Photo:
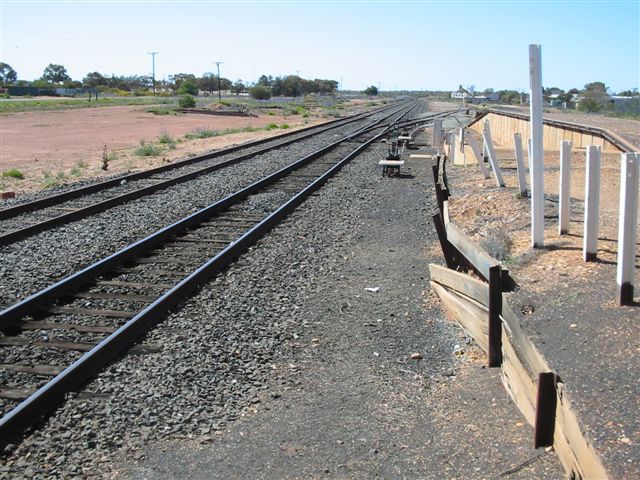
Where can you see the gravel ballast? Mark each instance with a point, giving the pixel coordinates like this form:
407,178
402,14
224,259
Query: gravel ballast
288,327
28,265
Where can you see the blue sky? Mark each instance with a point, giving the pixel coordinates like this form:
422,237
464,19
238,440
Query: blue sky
406,45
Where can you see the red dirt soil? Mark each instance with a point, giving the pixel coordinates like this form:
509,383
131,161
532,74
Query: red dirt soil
55,141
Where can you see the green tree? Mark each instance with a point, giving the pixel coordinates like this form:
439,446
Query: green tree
8,75
594,97
188,87
260,92
55,73
372,90
93,79
238,87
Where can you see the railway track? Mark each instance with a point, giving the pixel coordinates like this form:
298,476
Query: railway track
23,220
59,337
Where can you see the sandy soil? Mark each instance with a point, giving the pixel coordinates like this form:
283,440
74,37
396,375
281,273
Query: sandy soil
61,141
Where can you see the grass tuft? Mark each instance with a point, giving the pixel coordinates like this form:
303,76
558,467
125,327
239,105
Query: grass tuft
13,173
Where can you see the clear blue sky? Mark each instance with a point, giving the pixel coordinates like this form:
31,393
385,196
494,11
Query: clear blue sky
409,45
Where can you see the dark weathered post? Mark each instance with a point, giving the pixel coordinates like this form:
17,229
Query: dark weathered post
545,410
495,310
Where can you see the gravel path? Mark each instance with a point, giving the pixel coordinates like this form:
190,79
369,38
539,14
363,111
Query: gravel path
285,366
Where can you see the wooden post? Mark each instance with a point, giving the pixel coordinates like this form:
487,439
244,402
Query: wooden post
522,177
437,132
478,154
627,227
495,310
537,152
493,158
546,402
452,146
447,248
565,187
592,204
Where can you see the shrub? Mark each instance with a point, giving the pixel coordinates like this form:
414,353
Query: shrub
260,92
271,126
13,173
498,244
187,101
166,139
147,150
284,126
201,133
188,88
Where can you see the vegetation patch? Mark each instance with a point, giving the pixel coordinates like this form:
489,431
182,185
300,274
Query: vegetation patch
147,150
13,173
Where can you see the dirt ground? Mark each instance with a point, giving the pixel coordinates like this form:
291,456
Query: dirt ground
73,141
566,303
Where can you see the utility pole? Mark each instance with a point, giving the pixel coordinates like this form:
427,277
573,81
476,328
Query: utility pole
219,92
153,70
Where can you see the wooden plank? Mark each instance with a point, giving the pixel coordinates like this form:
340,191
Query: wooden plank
445,212
574,449
74,346
43,370
170,261
33,325
120,283
530,357
461,283
480,259
471,316
117,296
18,394
92,312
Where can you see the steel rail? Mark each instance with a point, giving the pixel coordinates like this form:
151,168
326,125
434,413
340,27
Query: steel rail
47,397
92,209
52,200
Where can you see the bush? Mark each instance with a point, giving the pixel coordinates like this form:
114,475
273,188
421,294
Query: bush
271,126
284,126
13,173
187,101
201,133
188,88
260,92
147,150
166,139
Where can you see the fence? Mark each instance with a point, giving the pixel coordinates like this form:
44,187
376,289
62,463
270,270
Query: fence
481,307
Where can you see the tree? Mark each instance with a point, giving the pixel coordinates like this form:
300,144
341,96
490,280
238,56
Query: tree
594,97
372,90
260,92
7,74
55,73
188,87
238,87
93,79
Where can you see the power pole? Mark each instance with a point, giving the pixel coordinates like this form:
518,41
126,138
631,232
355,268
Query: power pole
153,70
219,92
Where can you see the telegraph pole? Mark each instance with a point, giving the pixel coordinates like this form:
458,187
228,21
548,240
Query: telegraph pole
219,92
153,69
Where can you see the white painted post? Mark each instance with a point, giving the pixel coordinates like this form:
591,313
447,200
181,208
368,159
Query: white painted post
627,227
437,133
452,147
565,187
493,158
522,178
478,154
592,204
461,147
529,153
536,168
